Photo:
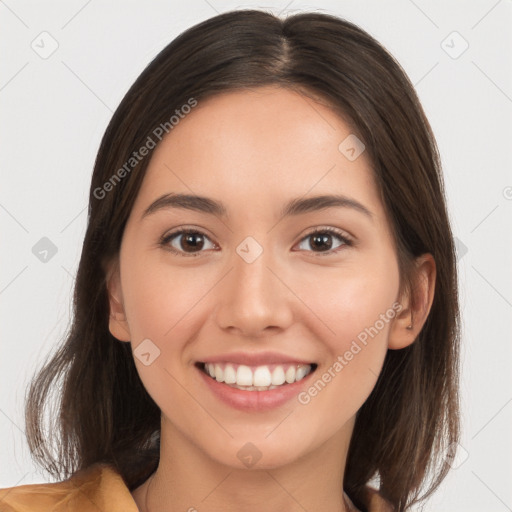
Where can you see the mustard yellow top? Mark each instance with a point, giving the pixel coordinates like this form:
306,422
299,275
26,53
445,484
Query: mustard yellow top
97,488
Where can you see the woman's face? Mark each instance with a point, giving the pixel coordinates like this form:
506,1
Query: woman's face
251,283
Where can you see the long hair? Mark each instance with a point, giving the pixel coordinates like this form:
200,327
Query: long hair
103,412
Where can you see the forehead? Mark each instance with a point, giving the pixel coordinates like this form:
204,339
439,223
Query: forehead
256,146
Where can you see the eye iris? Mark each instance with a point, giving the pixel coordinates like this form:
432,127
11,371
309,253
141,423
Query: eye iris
321,241
191,239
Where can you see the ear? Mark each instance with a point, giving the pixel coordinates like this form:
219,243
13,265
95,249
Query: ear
118,325
416,304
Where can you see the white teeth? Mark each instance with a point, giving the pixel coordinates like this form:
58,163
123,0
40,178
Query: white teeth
301,372
262,376
258,378
278,376
219,373
229,375
244,376
290,375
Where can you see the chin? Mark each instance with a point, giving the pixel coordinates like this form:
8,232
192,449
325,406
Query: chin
258,453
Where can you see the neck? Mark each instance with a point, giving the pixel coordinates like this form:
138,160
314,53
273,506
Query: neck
187,479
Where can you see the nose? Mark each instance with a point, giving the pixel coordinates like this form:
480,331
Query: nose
253,298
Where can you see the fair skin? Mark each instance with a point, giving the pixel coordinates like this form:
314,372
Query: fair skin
254,151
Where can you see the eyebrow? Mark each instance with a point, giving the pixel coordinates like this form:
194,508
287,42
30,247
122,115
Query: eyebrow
294,207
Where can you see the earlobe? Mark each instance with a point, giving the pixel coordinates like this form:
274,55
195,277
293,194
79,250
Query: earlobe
416,305
118,325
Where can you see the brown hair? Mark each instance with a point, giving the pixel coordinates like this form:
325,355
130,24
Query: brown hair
104,412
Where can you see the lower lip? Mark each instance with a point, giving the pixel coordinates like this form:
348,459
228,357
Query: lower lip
254,400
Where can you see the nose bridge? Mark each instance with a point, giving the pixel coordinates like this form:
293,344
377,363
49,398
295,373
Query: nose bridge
253,298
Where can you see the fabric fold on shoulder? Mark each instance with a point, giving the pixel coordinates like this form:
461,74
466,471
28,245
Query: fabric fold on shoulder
97,488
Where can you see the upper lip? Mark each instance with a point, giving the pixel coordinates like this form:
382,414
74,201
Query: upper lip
255,358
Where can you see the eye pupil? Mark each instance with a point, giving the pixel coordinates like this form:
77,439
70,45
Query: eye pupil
322,241
191,240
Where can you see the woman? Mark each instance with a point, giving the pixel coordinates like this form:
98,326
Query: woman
265,310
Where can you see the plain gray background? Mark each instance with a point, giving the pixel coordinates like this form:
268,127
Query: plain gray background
56,106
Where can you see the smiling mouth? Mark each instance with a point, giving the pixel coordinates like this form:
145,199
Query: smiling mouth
256,378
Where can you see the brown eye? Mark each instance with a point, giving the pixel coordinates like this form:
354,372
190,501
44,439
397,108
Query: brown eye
186,242
321,240
192,241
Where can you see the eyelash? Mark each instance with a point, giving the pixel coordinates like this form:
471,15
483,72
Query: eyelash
332,231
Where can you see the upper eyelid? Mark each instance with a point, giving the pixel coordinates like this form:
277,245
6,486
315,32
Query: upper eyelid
331,229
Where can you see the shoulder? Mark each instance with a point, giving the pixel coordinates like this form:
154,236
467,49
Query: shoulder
98,487
375,502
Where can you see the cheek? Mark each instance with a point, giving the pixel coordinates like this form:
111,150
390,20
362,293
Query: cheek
358,310
163,305
160,300
353,306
